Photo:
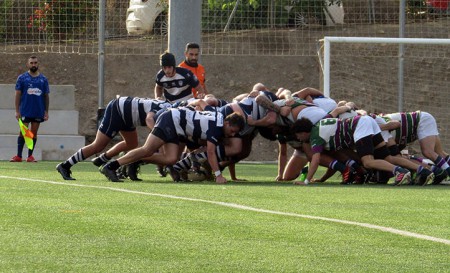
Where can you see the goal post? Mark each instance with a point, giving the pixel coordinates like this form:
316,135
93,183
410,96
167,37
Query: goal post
327,43
387,75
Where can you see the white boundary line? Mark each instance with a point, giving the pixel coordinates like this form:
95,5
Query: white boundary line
242,207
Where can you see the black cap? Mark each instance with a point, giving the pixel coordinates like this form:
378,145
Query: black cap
167,59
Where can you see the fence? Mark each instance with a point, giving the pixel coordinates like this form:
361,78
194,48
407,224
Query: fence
276,28
257,27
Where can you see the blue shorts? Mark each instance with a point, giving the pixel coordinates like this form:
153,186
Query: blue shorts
165,129
113,122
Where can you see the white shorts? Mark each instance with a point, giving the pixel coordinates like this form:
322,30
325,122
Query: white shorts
427,126
366,126
326,104
313,113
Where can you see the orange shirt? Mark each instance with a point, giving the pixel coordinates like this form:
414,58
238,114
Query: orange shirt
198,71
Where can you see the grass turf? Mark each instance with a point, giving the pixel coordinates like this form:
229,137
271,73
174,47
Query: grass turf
52,225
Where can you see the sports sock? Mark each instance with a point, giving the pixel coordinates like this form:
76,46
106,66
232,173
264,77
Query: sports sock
441,163
30,152
20,144
336,165
74,159
183,164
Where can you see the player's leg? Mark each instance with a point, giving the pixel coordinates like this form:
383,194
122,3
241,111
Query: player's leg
34,128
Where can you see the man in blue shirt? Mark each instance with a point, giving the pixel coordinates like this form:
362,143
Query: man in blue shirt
31,101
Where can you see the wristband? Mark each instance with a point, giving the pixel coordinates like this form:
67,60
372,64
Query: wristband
217,173
306,181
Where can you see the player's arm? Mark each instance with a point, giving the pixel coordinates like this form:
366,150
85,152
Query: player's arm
200,91
282,160
159,91
313,166
269,119
267,103
308,91
340,110
212,160
17,103
200,103
47,103
391,125
150,120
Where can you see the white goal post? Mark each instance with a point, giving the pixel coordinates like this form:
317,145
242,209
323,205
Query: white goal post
327,53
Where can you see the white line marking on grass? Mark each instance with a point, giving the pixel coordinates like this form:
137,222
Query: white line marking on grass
242,207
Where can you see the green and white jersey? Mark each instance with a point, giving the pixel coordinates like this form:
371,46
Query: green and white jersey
333,134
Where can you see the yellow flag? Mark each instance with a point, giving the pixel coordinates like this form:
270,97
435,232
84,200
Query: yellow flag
27,135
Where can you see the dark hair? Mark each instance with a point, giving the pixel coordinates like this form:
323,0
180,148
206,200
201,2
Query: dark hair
167,59
191,45
236,119
302,125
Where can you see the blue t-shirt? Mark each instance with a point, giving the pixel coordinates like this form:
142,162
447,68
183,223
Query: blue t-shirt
32,101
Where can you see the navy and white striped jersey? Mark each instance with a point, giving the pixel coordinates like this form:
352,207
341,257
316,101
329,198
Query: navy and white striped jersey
134,110
251,108
178,87
198,125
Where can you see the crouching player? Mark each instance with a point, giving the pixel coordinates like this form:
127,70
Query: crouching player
335,134
176,124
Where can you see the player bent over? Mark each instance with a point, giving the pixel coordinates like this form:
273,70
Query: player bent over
176,124
335,134
122,116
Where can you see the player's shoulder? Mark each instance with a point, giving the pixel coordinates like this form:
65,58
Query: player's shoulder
182,70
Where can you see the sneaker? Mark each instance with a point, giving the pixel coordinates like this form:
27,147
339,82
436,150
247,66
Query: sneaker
174,174
424,178
97,161
402,177
133,170
15,159
161,171
65,173
31,159
348,176
439,176
110,174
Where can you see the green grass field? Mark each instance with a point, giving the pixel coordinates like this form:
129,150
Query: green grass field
92,225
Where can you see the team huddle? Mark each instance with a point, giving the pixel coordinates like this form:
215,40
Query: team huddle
195,135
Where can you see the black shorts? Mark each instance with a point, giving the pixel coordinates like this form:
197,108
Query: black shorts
364,146
28,120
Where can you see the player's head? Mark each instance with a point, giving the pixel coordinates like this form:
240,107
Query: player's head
167,61
302,129
233,124
33,64
192,53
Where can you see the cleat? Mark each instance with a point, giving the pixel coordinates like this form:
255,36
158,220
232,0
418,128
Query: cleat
132,170
97,161
122,172
174,174
402,177
161,171
15,159
362,176
439,176
65,173
348,176
424,178
110,174
31,159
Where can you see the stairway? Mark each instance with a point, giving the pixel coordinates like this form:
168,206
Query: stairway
57,138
